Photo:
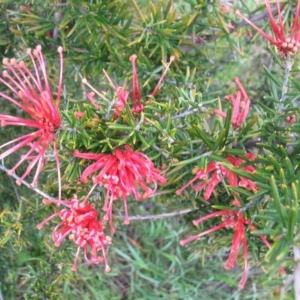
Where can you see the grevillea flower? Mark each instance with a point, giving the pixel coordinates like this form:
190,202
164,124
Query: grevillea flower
123,173
236,221
123,94
33,95
241,105
216,172
285,43
80,222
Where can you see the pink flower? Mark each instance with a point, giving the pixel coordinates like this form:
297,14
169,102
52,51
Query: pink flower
123,94
241,105
33,95
285,43
216,172
123,173
235,220
79,222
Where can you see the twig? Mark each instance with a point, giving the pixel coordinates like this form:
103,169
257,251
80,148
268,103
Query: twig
286,283
187,113
1,296
57,19
250,204
161,216
15,190
163,153
296,250
288,68
201,40
37,190
133,218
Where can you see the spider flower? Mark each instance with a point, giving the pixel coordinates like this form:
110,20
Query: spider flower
32,94
286,43
123,173
241,105
231,220
216,173
123,94
80,222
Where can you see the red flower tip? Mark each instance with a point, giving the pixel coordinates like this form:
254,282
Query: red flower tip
78,114
195,223
75,153
123,94
215,173
133,58
182,242
241,105
25,8
231,220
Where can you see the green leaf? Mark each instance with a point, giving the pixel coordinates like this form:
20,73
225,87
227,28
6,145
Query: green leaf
277,202
272,77
193,159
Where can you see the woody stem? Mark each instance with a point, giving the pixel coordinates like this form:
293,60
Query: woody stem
296,250
288,68
38,191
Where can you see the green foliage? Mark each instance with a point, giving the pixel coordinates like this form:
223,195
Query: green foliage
179,130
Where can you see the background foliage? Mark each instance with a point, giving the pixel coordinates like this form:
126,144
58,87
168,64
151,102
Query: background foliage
211,46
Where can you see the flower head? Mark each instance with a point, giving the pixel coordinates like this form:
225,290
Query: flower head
123,94
33,95
241,105
285,43
123,173
216,173
231,220
79,222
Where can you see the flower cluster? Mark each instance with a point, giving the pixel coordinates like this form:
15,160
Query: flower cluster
236,221
33,95
216,173
80,222
285,43
123,94
123,173
241,105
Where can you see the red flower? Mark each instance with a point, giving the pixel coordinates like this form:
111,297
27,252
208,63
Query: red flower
235,220
122,174
219,173
33,95
122,94
285,43
241,105
79,222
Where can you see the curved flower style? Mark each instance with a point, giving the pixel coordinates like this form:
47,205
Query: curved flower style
79,221
122,94
285,43
236,221
220,173
33,95
241,105
122,174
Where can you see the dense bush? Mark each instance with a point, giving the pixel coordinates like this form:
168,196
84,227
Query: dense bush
127,123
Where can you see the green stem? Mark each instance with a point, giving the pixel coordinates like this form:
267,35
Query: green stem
161,216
